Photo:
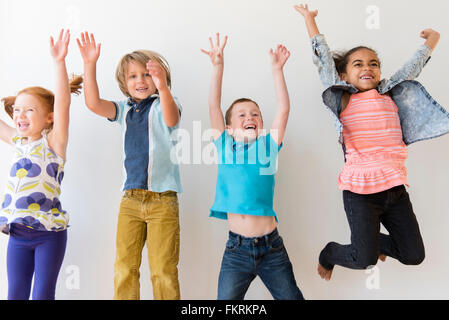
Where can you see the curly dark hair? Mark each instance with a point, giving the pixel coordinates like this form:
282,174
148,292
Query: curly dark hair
341,59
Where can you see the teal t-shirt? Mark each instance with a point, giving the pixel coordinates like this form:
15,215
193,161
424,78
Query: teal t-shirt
245,181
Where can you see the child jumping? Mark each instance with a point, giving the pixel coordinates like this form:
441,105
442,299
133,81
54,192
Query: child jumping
31,211
376,120
245,185
149,209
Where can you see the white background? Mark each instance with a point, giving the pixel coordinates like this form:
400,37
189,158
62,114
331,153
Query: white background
307,200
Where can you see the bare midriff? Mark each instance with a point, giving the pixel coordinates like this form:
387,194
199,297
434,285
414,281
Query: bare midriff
251,226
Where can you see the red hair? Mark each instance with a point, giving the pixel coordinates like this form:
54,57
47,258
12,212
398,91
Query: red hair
46,97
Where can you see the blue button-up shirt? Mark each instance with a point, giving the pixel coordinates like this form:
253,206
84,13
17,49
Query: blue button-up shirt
147,146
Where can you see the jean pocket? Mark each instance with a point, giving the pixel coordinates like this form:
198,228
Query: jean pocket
232,245
170,204
128,201
277,244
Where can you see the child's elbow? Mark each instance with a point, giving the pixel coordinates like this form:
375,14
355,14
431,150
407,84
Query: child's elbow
171,122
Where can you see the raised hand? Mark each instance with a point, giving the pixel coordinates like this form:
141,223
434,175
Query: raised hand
431,36
309,19
305,12
157,74
59,49
90,51
279,56
216,50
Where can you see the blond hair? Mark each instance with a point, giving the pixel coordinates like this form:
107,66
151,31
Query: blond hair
142,57
45,96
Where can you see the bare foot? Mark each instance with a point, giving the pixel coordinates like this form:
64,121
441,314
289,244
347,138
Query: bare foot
382,257
324,273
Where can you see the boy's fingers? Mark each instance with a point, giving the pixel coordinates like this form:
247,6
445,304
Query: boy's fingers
211,43
225,40
92,38
83,38
86,36
218,39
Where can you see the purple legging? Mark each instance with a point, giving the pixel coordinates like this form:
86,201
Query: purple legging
38,252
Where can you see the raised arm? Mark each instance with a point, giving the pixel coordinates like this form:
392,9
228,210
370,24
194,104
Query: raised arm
170,111
217,59
278,59
322,55
413,67
309,19
432,38
58,137
90,53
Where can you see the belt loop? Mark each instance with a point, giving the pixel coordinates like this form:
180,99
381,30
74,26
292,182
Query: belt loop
239,238
267,241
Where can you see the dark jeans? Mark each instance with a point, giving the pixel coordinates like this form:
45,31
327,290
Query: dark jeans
365,213
246,258
34,252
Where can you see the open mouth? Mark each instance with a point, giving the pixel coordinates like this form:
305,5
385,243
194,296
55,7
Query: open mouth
141,90
23,126
365,77
250,127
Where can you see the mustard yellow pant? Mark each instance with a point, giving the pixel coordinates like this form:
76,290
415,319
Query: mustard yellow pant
153,218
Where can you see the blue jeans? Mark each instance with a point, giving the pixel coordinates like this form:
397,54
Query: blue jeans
266,257
34,252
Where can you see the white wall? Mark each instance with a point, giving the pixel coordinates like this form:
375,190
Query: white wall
307,200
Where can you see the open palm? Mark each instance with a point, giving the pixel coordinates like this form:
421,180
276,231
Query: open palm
216,50
279,56
305,12
59,49
90,51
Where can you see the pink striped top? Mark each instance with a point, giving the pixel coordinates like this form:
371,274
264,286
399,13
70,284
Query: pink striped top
375,151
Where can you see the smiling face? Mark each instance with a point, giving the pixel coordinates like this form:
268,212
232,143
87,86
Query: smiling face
139,83
362,70
31,116
245,121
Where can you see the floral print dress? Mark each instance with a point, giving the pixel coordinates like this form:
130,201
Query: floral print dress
33,188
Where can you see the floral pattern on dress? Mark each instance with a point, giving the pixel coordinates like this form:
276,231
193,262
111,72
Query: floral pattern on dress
33,189
34,202
25,168
7,199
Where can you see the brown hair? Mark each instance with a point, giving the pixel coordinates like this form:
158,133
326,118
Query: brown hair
142,57
341,59
229,111
45,96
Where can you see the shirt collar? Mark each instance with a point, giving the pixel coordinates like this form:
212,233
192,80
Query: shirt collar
142,103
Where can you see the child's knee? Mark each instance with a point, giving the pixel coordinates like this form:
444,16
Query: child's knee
413,259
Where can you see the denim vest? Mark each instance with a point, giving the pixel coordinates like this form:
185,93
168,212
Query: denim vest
421,116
